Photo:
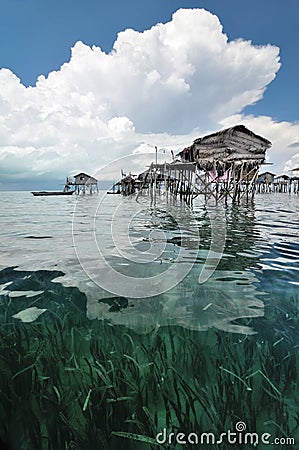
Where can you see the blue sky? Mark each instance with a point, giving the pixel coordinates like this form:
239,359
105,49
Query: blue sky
37,37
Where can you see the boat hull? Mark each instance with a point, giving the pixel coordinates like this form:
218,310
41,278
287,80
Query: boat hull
47,193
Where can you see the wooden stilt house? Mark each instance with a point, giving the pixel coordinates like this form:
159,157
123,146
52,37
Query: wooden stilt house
222,165
85,183
228,161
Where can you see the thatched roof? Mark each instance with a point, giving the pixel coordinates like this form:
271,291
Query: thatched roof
233,143
228,132
83,178
267,173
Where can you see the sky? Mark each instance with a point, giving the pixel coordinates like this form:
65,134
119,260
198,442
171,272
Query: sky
83,83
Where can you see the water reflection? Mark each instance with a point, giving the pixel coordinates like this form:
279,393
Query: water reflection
260,261
229,296
198,308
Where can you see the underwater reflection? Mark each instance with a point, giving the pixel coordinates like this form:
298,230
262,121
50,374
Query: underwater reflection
225,302
196,308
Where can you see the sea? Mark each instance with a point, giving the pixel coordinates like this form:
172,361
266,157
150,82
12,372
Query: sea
144,323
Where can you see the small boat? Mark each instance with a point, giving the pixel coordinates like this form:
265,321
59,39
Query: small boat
66,191
44,193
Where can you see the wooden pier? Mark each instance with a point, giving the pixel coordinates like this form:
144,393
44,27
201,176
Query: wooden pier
268,183
222,166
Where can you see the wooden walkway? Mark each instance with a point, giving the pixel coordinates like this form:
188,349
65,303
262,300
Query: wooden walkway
221,167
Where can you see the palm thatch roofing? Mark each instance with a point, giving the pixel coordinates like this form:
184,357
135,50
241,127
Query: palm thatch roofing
84,179
234,143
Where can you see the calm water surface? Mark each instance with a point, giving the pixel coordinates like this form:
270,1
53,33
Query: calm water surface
251,298
259,265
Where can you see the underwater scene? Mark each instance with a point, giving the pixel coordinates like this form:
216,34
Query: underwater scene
134,326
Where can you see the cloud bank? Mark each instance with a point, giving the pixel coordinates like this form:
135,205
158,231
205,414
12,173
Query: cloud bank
164,86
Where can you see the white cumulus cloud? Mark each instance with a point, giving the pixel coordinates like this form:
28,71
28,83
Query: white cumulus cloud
164,86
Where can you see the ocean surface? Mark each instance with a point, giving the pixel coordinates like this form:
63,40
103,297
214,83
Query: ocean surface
120,270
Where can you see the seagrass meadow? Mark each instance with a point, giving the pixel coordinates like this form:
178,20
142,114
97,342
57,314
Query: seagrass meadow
226,352
68,383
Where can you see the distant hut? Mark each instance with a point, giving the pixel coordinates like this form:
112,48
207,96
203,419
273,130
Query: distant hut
282,183
265,182
295,180
266,177
84,182
281,178
295,173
